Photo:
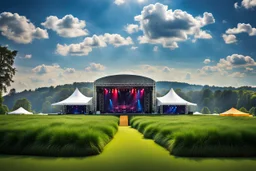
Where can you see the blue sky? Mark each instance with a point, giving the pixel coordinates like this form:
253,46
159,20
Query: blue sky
199,42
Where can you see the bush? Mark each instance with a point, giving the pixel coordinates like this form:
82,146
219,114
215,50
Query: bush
56,135
243,109
3,109
205,110
253,111
201,136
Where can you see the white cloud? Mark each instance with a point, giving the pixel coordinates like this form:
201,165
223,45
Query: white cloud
95,67
51,80
155,49
85,47
237,75
131,28
134,47
28,56
242,28
68,26
207,61
229,39
236,5
167,69
167,27
224,21
20,29
43,69
249,69
121,2
246,4
35,80
69,71
236,60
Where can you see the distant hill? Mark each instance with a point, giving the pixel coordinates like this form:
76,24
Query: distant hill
52,94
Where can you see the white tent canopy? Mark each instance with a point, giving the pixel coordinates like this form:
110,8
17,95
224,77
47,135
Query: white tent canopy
197,113
171,98
77,98
21,110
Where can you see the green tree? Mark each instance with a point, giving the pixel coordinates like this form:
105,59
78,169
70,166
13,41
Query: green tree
205,110
243,109
22,103
46,107
3,109
6,67
253,111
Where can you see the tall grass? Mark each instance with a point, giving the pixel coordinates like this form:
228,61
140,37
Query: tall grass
56,135
201,136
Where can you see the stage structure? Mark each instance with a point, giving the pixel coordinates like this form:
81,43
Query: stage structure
172,103
124,94
77,103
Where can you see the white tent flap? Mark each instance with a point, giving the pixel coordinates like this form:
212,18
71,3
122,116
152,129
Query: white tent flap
20,111
77,98
171,98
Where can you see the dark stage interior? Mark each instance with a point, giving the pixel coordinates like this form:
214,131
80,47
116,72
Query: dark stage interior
125,100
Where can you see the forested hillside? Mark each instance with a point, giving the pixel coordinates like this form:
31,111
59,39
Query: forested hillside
217,99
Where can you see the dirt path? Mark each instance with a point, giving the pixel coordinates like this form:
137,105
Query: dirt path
128,151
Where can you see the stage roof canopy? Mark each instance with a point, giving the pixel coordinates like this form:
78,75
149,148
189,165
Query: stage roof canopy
124,79
20,110
234,112
77,98
171,98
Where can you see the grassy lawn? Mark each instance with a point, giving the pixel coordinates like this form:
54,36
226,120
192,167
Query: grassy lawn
56,135
201,136
128,151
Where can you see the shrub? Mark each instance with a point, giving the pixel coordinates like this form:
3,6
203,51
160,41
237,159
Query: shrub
56,135
243,109
253,111
205,110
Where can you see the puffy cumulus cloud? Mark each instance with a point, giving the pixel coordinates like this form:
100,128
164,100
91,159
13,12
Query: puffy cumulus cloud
237,75
246,4
229,39
156,69
167,69
95,67
207,61
248,69
85,47
131,28
121,2
161,25
69,71
68,26
134,47
208,70
188,76
155,49
20,29
43,69
242,28
28,56
236,60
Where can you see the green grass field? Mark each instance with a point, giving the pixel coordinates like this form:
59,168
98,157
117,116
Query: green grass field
128,151
56,135
201,136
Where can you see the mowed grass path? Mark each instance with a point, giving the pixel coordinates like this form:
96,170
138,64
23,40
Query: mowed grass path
128,151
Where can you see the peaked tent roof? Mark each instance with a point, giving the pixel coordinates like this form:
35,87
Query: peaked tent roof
234,112
21,110
77,98
197,113
171,98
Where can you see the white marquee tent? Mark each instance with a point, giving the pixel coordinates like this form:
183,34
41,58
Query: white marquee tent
20,111
77,98
171,98
197,113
